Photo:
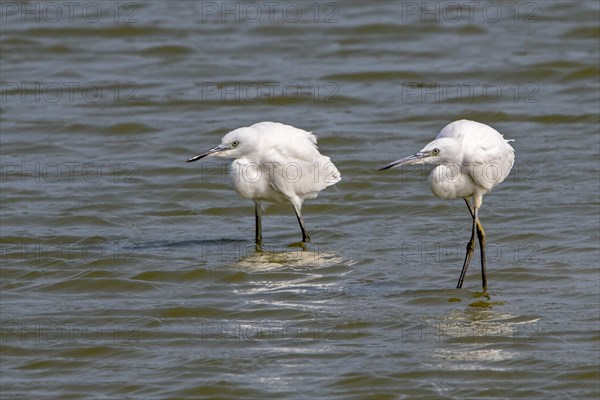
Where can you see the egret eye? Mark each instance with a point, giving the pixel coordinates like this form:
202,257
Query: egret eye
235,143
435,152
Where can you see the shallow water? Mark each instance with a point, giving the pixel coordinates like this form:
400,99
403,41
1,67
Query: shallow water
127,273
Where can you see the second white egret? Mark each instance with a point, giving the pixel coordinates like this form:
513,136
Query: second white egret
275,163
471,158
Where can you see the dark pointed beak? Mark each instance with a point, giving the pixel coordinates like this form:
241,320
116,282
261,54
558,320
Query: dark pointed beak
214,150
410,160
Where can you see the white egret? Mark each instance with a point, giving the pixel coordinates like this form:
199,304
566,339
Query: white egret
471,158
275,163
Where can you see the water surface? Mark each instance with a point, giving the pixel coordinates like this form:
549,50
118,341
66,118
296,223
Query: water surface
127,273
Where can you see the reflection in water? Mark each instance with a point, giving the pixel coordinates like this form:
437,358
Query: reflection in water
466,353
282,278
482,335
291,258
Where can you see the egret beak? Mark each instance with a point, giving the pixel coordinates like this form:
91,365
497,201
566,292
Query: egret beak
410,160
214,150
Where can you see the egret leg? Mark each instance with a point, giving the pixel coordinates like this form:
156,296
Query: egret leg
305,237
470,209
258,214
470,248
481,237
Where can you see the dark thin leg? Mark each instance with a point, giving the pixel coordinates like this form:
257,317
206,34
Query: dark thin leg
469,207
305,237
468,256
257,214
481,237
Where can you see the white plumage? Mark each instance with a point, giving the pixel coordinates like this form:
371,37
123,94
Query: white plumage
474,159
274,163
471,158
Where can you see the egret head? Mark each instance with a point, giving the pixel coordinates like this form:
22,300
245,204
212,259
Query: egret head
440,151
233,145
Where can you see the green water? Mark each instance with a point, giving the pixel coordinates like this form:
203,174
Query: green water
127,273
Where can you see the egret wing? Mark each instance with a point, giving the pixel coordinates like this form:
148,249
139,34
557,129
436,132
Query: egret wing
488,158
